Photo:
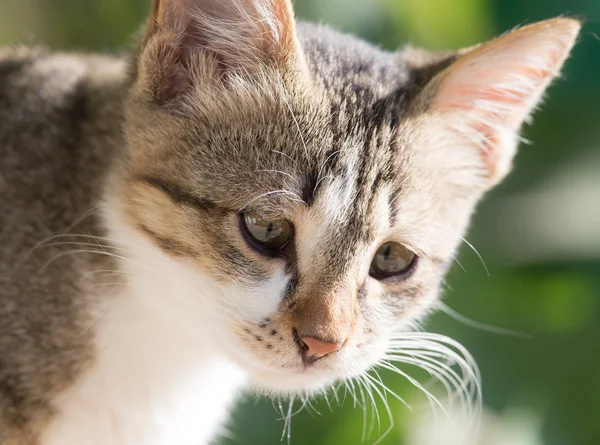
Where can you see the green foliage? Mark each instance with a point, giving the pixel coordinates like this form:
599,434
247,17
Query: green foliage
554,376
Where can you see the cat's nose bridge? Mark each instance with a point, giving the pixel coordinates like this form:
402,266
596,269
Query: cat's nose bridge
329,316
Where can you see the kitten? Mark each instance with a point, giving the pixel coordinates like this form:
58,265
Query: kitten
244,201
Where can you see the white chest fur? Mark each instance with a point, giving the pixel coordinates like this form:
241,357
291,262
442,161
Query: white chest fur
151,384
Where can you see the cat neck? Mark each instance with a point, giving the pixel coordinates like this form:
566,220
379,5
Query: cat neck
155,379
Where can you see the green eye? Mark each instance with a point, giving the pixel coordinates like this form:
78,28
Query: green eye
392,259
267,234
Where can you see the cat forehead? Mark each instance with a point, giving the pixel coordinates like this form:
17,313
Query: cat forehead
278,170
286,142
352,68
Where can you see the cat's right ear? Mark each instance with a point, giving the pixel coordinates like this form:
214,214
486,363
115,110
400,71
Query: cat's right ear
187,42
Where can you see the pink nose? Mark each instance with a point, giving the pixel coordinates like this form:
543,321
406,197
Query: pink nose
316,349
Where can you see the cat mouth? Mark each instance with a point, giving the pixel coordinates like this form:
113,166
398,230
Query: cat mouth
291,376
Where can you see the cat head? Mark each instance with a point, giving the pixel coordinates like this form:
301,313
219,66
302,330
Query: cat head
310,190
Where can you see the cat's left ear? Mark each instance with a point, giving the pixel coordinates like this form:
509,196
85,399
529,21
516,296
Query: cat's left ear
485,94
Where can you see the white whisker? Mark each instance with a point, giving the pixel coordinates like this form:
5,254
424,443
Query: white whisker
487,271
426,350
283,154
481,326
364,407
327,400
375,410
281,173
387,408
315,410
292,195
459,264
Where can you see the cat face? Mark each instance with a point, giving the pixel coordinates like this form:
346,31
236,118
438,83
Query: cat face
314,188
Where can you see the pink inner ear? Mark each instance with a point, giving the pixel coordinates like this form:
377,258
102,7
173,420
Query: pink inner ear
495,90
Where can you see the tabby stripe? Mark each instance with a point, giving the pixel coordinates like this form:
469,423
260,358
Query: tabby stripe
167,244
178,195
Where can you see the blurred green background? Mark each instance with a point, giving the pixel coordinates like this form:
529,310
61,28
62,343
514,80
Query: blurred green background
539,233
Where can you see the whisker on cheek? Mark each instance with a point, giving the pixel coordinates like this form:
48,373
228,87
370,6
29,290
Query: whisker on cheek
448,362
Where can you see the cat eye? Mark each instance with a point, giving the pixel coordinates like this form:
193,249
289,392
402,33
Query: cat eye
392,259
268,235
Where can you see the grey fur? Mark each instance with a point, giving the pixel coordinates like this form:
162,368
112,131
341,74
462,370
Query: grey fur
59,132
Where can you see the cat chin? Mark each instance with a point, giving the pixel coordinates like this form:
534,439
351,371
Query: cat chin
291,384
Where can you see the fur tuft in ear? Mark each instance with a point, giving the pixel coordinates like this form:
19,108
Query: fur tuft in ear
487,94
188,38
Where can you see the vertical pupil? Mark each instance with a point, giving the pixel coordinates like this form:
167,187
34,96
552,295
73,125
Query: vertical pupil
386,251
